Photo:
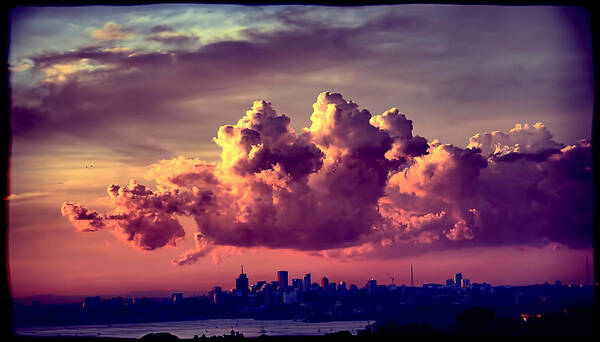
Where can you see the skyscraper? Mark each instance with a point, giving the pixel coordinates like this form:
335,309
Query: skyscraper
241,283
177,297
324,283
282,279
372,286
306,282
458,280
297,283
216,295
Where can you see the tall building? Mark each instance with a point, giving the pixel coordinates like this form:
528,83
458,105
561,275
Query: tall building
216,296
282,279
306,282
91,302
290,297
241,283
372,286
297,283
177,297
324,283
458,280
258,286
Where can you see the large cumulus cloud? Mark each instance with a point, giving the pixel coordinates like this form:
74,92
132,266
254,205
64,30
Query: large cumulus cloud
355,184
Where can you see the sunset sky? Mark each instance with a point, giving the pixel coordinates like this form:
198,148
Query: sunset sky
160,147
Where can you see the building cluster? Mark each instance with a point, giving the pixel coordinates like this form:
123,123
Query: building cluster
302,298
284,292
281,291
458,281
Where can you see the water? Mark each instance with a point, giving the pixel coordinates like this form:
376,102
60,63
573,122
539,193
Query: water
209,327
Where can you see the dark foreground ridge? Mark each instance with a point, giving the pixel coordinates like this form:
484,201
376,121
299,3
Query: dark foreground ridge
473,322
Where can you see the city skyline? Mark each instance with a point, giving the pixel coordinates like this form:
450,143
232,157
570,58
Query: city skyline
434,304
162,146
244,284
251,281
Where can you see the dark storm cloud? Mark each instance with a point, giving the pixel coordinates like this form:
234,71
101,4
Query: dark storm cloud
481,54
549,200
138,86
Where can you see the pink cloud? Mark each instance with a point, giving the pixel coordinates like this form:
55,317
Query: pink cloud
353,185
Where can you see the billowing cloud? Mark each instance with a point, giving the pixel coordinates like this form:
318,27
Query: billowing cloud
85,220
454,197
145,218
400,130
354,184
522,139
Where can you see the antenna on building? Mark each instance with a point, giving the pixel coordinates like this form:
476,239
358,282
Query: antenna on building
389,275
412,278
587,271
242,269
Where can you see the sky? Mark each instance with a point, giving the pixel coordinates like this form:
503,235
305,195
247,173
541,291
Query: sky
160,147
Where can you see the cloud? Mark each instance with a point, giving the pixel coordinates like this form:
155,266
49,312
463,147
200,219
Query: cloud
85,220
454,198
21,66
268,179
56,73
307,49
25,196
142,217
113,31
404,146
176,39
71,103
522,140
166,34
161,28
353,184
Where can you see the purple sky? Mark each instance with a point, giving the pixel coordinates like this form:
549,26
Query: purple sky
338,141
